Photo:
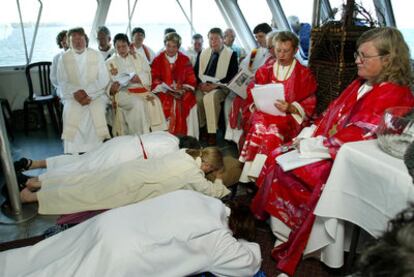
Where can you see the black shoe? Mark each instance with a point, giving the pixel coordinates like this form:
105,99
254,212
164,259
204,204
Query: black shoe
22,164
21,180
5,194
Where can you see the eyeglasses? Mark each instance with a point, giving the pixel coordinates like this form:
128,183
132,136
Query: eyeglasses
363,57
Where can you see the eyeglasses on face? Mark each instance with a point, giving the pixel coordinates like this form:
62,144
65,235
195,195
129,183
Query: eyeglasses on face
363,57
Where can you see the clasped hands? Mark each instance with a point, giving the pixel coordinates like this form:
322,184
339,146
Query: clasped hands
82,97
207,87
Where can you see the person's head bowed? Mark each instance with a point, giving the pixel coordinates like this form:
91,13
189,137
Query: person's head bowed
393,254
285,46
383,56
211,158
241,221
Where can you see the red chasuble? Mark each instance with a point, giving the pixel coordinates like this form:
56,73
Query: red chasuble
292,196
264,132
181,72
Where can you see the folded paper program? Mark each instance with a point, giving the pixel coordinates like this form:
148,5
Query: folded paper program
293,159
124,78
265,97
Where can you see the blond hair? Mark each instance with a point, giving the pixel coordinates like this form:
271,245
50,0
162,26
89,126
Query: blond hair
174,37
209,155
390,43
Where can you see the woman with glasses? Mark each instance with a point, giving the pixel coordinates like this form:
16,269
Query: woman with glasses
264,132
385,76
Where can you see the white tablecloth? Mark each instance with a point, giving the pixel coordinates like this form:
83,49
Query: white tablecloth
366,187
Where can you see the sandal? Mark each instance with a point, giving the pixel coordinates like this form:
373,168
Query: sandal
23,164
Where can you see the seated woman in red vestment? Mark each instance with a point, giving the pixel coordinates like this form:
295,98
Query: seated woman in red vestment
384,71
174,81
266,131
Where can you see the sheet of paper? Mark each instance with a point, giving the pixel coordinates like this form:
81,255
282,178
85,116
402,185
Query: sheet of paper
293,159
265,97
124,78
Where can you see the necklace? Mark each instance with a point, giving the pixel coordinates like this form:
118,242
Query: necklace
287,72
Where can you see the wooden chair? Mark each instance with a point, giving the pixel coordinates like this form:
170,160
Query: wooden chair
43,96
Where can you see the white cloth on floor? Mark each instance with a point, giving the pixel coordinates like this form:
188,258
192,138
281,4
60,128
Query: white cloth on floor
178,234
124,184
111,153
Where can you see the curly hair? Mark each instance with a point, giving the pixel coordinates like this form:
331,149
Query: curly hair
393,254
62,35
391,45
284,36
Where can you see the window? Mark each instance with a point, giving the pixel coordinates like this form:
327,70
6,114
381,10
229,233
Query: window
250,12
403,17
56,16
156,15
368,6
301,9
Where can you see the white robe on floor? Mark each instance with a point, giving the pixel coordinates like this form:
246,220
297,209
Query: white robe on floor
127,183
178,234
113,152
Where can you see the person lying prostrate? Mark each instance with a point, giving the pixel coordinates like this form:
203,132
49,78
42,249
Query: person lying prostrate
113,152
178,234
129,182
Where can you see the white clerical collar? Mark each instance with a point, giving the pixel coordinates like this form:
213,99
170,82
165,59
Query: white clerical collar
126,57
364,89
171,59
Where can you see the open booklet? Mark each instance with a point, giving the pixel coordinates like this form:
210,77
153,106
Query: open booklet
265,96
124,78
293,159
238,84
164,87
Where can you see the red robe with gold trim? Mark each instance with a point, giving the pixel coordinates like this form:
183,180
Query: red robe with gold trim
266,132
292,196
181,72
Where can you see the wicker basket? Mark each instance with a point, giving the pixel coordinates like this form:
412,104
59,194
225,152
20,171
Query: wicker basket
332,59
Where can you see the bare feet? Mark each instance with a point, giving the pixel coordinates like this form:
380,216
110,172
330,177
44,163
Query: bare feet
33,184
26,196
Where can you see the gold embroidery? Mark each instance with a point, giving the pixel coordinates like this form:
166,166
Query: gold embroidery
333,130
113,70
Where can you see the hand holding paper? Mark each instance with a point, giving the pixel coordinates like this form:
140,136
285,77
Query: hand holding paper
265,96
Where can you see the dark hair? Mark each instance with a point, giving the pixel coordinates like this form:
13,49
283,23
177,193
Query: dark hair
393,254
121,37
169,30
138,30
197,36
241,221
262,27
215,30
77,30
62,34
188,142
409,158
103,29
